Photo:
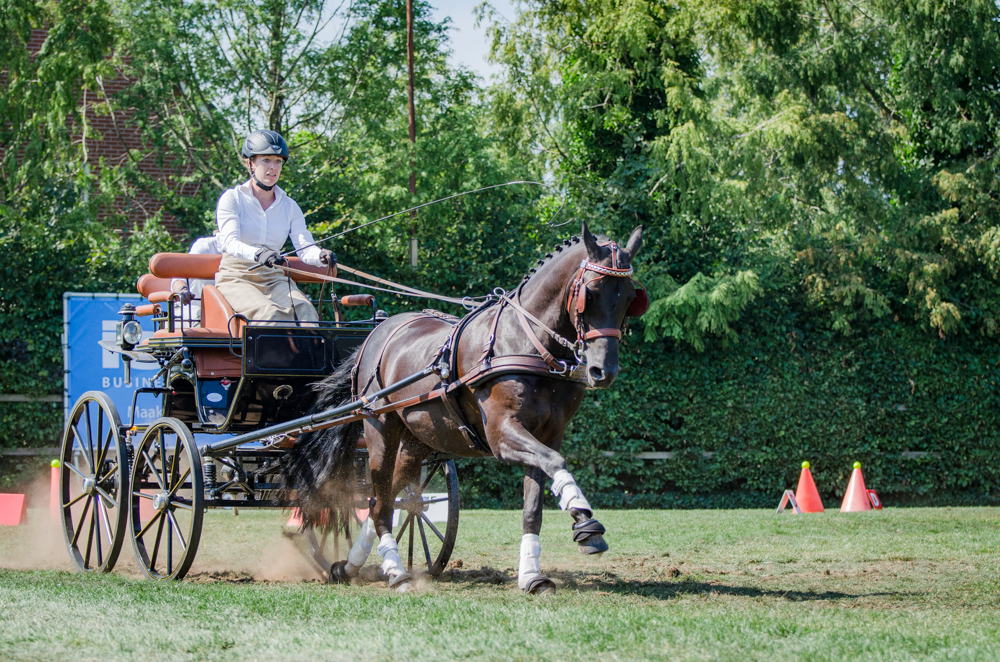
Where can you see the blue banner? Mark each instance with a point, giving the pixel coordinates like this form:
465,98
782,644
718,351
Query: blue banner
88,319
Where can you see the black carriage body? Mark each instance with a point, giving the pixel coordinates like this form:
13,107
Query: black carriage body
262,380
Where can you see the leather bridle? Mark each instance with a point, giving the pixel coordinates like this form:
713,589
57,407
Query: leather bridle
576,305
577,301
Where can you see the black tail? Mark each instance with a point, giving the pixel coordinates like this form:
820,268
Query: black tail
319,466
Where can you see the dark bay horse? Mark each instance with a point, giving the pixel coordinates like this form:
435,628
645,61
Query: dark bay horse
512,375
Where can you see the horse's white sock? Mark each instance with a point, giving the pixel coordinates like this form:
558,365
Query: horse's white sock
570,496
361,549
531,551
392,565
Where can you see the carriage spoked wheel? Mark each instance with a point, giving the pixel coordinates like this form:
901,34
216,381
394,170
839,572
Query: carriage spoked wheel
93,483
425,531
167,500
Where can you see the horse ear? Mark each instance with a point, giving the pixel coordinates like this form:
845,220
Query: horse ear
634,243
590,241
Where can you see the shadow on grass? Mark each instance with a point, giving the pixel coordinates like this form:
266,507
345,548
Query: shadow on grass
610,582
686,586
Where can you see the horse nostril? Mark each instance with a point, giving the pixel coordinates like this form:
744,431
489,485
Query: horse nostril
596,373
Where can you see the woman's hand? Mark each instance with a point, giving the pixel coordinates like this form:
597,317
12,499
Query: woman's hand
268,257
328,257
185,295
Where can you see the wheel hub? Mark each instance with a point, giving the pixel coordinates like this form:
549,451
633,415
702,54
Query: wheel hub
160,501
88,485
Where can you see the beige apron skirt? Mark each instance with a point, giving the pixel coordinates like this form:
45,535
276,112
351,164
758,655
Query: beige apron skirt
263,294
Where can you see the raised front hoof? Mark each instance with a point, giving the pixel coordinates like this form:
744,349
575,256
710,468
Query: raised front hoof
589,536
401,583
539,585
338,573
593,545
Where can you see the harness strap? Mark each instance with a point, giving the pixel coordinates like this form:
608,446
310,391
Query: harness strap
401,290
602,333
492,338
501,365
547,357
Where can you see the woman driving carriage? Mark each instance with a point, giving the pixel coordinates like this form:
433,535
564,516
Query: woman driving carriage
254,219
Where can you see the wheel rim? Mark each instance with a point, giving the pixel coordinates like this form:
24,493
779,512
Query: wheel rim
426,545
167,500
93,484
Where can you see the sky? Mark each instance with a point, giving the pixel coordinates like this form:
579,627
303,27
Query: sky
469,44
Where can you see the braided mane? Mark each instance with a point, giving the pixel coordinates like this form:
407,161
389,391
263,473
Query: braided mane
550,256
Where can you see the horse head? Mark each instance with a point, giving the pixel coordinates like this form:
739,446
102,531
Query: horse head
600,299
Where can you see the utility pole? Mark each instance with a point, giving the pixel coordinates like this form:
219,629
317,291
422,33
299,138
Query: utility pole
413,135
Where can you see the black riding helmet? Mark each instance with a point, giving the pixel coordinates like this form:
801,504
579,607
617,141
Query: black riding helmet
261,143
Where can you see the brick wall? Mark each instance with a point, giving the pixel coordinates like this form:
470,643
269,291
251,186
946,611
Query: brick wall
111,137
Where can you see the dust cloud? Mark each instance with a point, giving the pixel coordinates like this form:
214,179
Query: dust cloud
38,544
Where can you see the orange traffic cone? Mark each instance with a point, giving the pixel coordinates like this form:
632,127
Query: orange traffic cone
856,497
807,495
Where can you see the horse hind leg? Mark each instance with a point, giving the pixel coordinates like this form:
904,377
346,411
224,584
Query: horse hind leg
344,571
397,470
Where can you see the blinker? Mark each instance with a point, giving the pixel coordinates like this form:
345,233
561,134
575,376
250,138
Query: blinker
639,305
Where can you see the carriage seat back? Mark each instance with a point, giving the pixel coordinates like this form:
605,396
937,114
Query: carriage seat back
215,310
185,265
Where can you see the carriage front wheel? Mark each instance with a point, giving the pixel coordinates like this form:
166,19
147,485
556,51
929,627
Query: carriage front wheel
93,483
167,500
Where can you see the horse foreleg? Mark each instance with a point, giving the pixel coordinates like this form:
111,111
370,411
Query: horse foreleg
529,574
513,443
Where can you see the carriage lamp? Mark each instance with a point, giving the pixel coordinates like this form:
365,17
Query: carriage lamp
128,331
128,334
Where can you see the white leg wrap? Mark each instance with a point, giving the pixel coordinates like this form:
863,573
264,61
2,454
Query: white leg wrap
361,549
570,496
392,565
531,551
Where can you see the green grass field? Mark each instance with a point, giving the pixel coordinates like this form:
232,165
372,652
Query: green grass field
901,584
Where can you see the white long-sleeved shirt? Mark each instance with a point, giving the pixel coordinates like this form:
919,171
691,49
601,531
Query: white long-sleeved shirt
245,227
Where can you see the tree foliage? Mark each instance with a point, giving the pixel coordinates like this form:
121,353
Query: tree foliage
841,151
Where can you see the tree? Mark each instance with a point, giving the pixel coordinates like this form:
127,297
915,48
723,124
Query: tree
838,154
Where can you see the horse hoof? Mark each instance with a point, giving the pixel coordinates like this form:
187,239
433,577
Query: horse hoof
402,583
538,585
588,535
593,545
338,573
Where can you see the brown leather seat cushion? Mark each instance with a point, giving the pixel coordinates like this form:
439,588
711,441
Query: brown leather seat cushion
185,265
215,312
148,284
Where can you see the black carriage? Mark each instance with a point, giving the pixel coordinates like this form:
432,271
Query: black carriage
246,383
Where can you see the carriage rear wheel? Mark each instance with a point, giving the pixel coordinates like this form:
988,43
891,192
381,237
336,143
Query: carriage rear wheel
426,529
93,483
167,500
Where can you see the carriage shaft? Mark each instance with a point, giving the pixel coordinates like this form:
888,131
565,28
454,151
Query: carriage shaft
313,421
